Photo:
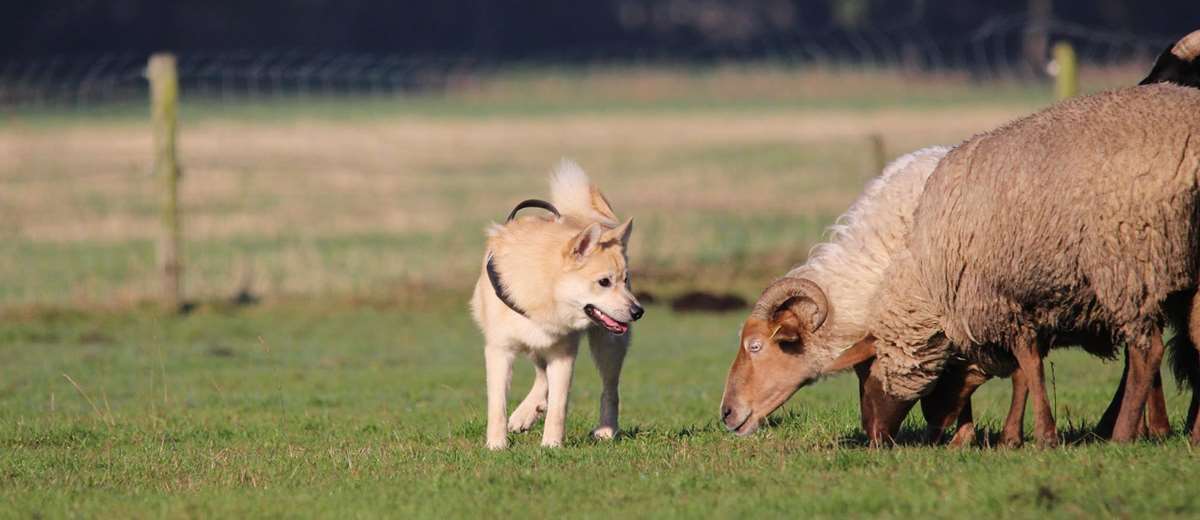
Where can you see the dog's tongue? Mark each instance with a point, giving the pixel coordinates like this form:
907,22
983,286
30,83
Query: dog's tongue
612,324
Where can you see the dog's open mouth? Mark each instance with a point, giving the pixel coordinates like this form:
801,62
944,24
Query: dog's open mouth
605,320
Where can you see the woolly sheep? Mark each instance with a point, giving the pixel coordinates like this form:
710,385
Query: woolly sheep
1081,217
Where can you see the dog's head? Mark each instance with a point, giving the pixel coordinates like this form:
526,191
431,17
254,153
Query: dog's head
595,286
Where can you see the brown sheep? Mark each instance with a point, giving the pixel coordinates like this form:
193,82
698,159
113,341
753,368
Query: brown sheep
1081,217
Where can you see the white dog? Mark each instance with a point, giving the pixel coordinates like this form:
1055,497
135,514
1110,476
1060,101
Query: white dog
546,280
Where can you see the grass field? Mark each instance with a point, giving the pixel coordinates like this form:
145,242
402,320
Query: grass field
356,388
307,409
370,196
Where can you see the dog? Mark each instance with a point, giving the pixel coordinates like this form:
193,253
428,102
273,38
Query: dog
546,280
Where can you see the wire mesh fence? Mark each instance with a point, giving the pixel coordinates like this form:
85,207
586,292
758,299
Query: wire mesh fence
998,50
392,200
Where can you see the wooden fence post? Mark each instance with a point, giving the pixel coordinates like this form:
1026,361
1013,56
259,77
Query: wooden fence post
878,154
164,106
1066,80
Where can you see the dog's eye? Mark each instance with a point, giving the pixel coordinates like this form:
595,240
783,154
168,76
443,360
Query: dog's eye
604,282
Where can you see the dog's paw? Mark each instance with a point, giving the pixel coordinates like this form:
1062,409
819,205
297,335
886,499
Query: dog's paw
604,433
523,418
497,444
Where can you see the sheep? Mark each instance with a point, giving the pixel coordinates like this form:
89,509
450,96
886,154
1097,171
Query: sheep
1081,217
831,289
1176,64
850,266
840,265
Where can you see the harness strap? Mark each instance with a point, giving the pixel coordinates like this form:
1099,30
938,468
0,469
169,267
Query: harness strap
532,203
493,275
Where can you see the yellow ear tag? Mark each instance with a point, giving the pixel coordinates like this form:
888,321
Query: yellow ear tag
776,331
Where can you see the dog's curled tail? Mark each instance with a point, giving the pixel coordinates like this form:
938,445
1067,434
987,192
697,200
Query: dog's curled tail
575,195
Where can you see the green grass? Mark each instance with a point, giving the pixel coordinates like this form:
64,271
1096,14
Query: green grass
375,409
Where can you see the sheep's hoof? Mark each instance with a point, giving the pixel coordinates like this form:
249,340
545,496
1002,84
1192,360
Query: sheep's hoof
964,437
1048,442
1010,441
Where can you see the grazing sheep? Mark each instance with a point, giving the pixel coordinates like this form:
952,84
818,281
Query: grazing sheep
1082,217
1180,64
761,380
1177,64
831,290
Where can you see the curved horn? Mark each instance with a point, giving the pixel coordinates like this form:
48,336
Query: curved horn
784,289
1188,47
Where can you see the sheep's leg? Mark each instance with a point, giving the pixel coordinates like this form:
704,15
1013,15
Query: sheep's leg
1157,424
1013,433
882,413
1192,425
951,399
1193,331
964,434
865,408
1144,361
1029,357
1104,428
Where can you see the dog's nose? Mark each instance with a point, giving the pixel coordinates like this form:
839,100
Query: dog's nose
636,311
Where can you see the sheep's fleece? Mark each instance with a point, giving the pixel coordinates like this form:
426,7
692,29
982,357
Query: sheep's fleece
1080,217
849,267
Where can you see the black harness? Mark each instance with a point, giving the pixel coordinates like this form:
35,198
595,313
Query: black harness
493,275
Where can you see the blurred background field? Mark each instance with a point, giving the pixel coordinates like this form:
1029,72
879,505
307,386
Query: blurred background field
339,154
730,172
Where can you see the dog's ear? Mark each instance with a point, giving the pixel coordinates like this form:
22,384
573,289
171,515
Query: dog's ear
620,233
585,242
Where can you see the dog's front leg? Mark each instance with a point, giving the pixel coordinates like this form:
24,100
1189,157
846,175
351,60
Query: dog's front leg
560,365
499,361
608,351
534,405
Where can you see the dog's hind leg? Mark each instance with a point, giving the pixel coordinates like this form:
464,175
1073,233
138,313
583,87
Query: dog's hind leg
608,351
499,362
534,405
560,365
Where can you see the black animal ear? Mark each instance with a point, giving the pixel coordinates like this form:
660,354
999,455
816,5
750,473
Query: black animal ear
1178,63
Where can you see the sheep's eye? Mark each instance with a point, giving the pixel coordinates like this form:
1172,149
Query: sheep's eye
754,345
604,282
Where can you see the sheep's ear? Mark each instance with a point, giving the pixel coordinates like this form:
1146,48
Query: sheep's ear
786,327
585,243
862,351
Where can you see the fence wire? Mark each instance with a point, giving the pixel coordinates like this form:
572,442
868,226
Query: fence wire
994,51
388,204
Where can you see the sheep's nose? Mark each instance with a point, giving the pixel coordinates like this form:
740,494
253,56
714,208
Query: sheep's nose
725,411
636,311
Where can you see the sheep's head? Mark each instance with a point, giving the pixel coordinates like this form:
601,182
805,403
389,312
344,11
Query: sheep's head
772,362
1179,64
